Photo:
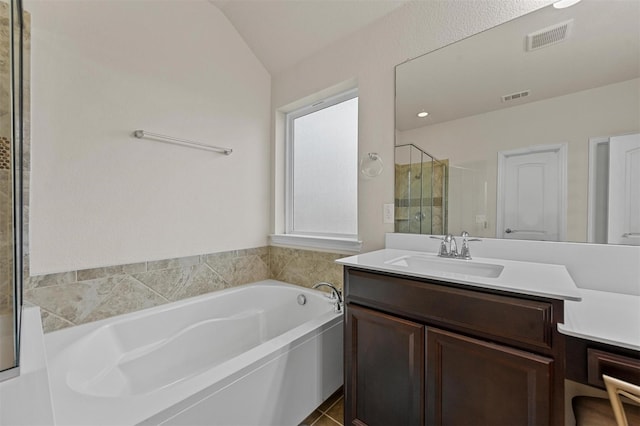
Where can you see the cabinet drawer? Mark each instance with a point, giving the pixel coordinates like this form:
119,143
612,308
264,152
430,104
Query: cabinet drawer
614,365
503,318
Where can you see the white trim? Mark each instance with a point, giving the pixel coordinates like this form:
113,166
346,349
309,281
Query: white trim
289,149
591,192
562,150
288,172
313,242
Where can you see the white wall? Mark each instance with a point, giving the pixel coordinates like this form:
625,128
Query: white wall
573,119
102,69
369,56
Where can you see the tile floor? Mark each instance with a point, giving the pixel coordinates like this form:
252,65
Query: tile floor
330,413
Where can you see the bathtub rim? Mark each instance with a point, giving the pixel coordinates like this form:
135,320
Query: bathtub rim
70,333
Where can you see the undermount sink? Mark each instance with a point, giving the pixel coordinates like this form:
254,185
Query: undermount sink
428,264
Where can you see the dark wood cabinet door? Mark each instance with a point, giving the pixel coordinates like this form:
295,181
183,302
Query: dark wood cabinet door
384,364
473,382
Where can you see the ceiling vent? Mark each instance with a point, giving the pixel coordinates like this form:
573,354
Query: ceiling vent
514,96
548,36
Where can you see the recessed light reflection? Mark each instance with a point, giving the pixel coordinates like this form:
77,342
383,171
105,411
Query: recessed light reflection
423,114
561,4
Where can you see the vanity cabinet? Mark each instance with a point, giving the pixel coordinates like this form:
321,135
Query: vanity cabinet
386,354
587,361
420,351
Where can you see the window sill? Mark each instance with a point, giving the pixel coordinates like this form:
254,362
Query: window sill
345,245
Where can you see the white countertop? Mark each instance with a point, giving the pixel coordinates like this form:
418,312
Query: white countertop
605,317
534,279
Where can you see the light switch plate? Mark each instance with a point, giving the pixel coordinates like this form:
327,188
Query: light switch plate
387,213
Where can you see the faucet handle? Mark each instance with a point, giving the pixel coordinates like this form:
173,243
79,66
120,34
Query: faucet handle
443,251
465,237
453,245
465,253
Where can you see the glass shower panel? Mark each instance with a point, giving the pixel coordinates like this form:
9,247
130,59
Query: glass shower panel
10,185
414,204
7,325
439,181
407,167
420,188
426,181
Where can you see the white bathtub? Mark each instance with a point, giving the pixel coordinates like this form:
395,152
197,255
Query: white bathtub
249,355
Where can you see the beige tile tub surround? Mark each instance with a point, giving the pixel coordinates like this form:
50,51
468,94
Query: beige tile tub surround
77,297
304,267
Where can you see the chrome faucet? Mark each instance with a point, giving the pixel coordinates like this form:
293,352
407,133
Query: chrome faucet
448,246
453,245
452,249
335,296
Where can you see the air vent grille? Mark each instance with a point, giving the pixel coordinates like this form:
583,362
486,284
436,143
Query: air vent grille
549,36
514,96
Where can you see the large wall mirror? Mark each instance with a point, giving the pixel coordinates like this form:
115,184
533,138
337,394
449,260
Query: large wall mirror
535,125
10,185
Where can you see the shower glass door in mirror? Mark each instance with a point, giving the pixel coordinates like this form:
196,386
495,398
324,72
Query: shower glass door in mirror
10,186
551,78
421,192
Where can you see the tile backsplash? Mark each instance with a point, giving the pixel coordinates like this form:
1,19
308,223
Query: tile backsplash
304,267
77,297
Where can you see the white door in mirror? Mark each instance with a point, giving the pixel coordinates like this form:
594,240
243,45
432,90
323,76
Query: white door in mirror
624,190
532,193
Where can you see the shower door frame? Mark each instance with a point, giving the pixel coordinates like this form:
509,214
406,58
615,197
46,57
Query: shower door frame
16,34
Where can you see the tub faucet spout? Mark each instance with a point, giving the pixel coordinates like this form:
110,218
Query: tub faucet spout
335,296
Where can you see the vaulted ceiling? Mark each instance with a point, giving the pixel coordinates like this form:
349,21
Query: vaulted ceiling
281,33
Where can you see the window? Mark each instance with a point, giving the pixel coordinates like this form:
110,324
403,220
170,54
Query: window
322,171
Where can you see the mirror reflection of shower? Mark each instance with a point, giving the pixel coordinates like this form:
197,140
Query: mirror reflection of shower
421,191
